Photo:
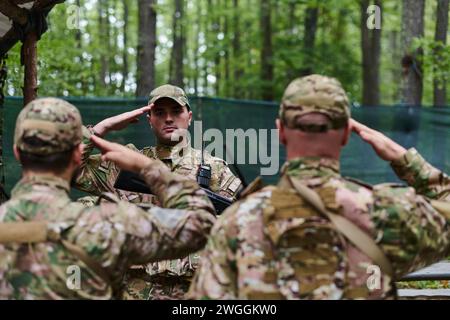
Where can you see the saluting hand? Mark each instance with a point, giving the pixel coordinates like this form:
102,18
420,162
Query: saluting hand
122,156
385,148
120,121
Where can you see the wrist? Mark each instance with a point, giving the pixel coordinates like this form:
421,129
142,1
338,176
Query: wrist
100,129
400,153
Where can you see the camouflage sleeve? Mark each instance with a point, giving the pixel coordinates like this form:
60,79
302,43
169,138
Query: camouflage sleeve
230,185
411,232
121,234
422,176
95,176
216,276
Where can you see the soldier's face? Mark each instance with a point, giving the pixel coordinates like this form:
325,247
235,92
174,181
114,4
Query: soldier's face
166,117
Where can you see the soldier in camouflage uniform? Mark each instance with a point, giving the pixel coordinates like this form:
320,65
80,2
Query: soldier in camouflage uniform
168,111
277,244
44,236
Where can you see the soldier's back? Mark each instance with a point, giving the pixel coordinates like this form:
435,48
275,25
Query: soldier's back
273,244
45,270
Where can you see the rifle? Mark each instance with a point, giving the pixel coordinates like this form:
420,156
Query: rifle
130,181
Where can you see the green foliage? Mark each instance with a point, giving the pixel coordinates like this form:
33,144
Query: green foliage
72,61
436,59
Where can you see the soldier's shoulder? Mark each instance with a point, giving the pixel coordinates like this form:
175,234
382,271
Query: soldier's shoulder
252,203
149,151
350,181
132,147
210,159
246,211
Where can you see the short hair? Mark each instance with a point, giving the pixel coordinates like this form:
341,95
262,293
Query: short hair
55,163
313,122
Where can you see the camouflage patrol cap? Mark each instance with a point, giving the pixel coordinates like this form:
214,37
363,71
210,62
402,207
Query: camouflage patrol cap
48,126
315,93
171,92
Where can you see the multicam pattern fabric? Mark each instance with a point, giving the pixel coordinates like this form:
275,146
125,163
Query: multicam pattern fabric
54,123
315,93
116,235
169,91
274,245
97,176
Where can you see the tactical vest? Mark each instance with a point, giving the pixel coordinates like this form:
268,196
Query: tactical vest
306,256
39,232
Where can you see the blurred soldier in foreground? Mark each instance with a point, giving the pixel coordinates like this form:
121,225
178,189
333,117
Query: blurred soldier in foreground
317,235
168,111
53,248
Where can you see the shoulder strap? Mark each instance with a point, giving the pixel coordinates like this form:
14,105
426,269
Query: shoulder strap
442,206
23,232
254,186
352,232
37,231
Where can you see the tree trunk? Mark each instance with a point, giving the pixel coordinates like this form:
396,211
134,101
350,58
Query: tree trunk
412,27
371,48
109,53
177,56
78,32
196,46
102,38
216,27
439,89
146,47
226,86
29,57
311,16
237,64
394,40
125,67
266,51
207,30
292,67
79,44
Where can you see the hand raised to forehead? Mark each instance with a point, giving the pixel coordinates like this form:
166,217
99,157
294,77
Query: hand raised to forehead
120,121
385,148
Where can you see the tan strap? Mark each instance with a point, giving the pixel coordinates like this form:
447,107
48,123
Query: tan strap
254,186
352,232
37,232
23,232
443,207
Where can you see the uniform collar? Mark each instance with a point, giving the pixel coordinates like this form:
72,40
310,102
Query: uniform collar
165,152
50,181
310,165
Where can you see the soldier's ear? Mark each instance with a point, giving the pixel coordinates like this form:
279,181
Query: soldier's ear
281,131
346,135
16,153
149,120
77,154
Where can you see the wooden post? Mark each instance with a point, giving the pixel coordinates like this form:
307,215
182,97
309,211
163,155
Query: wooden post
29,52
30,55
3,196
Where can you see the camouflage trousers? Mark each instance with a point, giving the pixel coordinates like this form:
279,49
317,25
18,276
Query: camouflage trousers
138,285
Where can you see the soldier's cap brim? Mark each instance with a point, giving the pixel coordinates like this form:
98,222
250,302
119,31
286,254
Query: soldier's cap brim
179,101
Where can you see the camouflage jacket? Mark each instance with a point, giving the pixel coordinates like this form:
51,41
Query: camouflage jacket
116,235
274,245
97,176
